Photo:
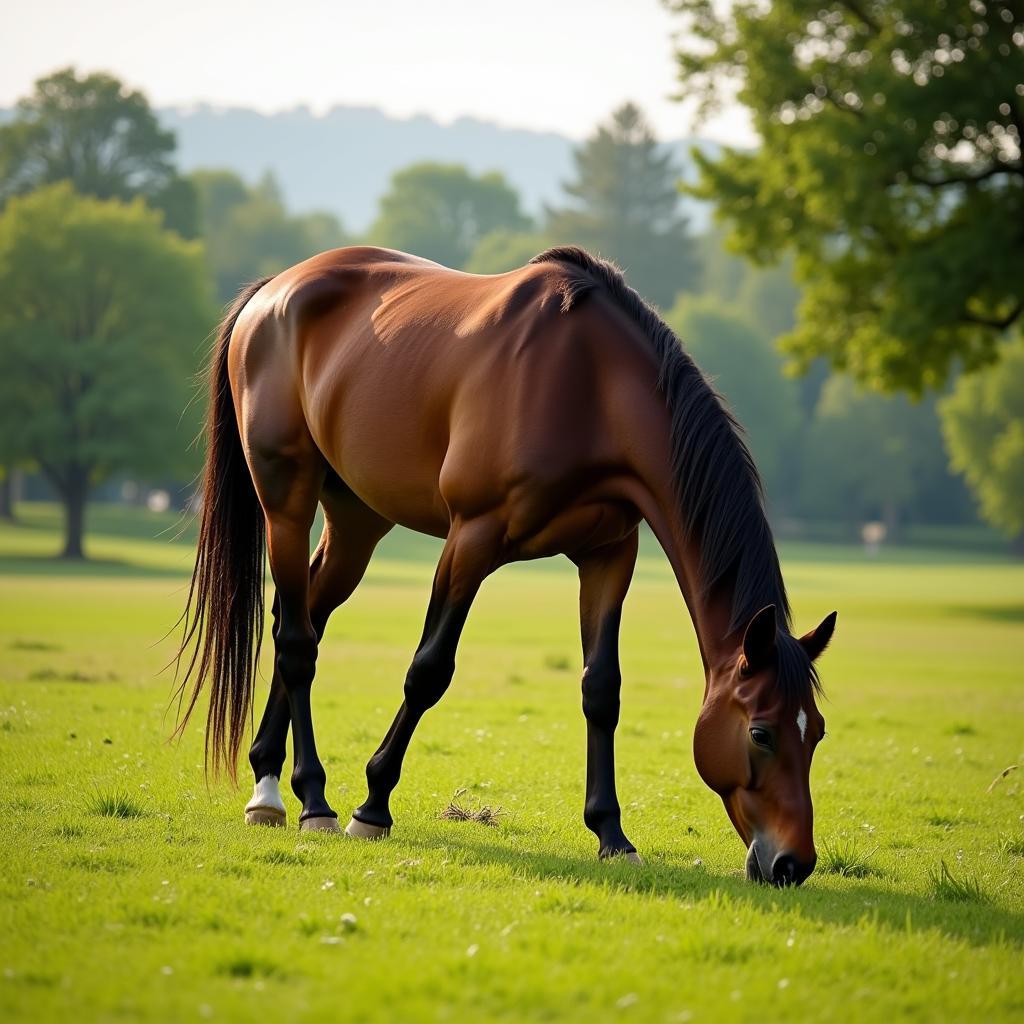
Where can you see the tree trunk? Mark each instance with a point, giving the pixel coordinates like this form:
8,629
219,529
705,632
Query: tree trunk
75,496
7,494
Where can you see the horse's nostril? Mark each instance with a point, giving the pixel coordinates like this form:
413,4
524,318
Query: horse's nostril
785,870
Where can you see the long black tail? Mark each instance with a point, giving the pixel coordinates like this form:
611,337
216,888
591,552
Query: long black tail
223,618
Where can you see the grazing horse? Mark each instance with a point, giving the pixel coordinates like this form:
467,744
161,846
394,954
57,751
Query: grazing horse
544,411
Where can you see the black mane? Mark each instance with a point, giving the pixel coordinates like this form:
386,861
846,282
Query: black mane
721,497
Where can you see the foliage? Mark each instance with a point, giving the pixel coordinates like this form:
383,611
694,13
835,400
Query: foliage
504,250
101,136
747,370
870,456
104,315
890,165
442,211
249,233
626,207
184,913
983,421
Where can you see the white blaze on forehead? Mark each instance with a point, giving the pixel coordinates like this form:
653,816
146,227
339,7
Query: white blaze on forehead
801,723
266,793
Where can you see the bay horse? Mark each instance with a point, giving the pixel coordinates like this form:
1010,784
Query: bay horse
522,415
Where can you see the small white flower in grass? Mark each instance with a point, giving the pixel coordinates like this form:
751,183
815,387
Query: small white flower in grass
473,950
205,1010
628,1000
327,885
783,983
330,940
735,995
166,969
348,922
367,901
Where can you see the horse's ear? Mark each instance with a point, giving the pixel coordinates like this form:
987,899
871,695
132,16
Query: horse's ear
759,638
817,640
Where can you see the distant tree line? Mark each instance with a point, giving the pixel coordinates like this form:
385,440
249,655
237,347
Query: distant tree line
113,265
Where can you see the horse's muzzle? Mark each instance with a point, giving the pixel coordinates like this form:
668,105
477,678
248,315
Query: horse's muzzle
781,869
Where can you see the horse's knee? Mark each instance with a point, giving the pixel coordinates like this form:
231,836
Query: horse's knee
296,657
601,684
429,676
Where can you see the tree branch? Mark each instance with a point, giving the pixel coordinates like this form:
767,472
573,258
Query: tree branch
965,179
859,12
1000,323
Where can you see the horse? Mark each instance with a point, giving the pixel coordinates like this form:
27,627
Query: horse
545,411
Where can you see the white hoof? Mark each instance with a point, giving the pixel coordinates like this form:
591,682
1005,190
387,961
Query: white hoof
633,857
266,816
266,806
360,830
319,825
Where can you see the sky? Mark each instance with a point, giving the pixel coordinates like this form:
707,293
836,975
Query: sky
558,65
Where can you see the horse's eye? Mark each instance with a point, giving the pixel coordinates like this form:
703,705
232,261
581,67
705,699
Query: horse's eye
761,737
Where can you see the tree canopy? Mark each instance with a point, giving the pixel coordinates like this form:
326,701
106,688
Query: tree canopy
625,205
101,136
100,333
441,211
249,233
890,165
983,420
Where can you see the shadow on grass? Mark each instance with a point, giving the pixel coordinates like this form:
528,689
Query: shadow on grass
988,612
51,565
978,923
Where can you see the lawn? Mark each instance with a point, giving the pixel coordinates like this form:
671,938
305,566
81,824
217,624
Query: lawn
132,890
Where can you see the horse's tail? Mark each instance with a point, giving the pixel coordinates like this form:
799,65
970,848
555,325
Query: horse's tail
223,618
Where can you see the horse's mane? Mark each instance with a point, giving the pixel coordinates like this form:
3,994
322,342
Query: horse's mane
721,497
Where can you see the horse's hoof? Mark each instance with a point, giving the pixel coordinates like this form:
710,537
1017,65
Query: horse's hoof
266,816
627,855
325,824
360,830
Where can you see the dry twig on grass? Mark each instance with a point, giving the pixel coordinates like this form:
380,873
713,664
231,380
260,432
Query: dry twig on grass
484,814
1002,775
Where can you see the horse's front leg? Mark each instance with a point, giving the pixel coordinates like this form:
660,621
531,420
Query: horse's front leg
605,575
471,552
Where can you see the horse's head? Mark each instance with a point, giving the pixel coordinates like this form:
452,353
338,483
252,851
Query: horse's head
754,741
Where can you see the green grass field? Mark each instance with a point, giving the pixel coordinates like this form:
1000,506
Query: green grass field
131,890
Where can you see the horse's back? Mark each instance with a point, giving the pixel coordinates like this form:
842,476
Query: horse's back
432,392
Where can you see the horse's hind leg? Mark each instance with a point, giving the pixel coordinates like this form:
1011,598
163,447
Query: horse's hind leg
472,551
351,532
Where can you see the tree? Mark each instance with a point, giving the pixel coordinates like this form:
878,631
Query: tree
101,136
746,369
983,422
627,207
103,315
871,456
890,165
441,211
249,233
504,250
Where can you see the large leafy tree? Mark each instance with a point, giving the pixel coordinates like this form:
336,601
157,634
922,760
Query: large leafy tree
249,233
983,420
625,205
890,164
441,211
103,137
103,315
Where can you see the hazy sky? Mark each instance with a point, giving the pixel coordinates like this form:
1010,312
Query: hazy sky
546,64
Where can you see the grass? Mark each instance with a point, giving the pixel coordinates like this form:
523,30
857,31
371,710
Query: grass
175,910
846,858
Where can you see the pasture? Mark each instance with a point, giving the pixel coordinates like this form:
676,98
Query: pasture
131,890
